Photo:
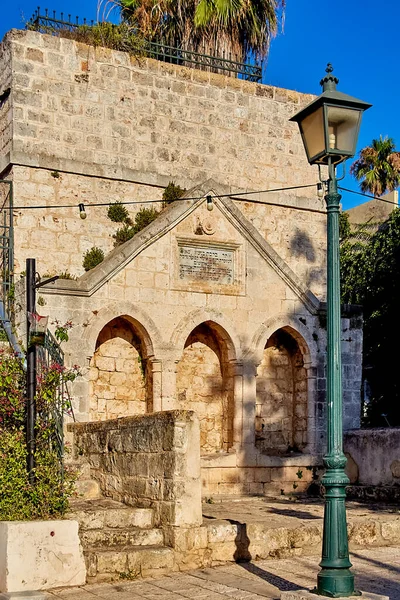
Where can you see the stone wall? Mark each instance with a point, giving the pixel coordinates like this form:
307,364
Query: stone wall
373,456
96,126
5,100
119,383
204,385
150,461
281,421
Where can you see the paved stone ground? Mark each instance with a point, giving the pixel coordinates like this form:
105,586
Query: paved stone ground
289,511
376,571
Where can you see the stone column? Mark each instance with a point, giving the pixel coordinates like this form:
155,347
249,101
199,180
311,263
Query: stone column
169,399
236,371
249,404
311,447
157,384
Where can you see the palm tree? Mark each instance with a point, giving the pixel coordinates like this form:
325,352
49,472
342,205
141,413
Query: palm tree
236,28
378,167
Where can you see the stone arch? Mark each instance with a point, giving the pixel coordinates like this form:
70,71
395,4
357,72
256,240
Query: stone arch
285,402
120,377
141,321
300,332
205,384
224,326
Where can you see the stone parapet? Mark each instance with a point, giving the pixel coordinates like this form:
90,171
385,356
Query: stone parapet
150,461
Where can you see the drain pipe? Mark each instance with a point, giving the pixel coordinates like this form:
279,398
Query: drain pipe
6,325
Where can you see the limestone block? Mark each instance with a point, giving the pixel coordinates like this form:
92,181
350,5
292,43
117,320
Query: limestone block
49,551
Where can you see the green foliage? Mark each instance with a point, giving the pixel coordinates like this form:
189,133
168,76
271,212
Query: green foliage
123,234
118,213
378,167
344,226
172,192
3,335
92,258
144,217
61,331
118,37
370,275
49,496
236,28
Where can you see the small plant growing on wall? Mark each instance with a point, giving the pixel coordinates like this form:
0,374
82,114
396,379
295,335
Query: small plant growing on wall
92,258
144,217
171,193
118,213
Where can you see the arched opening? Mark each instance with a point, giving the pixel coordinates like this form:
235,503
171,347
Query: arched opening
281,404
120,380
205,385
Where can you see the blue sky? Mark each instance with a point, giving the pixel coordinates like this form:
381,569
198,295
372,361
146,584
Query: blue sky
358,37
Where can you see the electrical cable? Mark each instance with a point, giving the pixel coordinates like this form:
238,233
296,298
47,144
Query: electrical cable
233,195
367,195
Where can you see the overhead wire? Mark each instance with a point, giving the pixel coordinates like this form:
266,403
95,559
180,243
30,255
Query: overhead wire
233,195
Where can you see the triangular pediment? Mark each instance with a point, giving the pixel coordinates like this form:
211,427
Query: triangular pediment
170,218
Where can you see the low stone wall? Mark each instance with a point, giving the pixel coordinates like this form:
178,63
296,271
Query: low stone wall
149,461
373,456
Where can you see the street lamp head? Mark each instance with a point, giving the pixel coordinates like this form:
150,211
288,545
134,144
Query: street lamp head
330,124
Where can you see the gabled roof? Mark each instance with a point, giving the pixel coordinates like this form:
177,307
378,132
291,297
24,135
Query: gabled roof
117,260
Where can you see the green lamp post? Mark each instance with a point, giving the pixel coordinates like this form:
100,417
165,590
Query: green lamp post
329,127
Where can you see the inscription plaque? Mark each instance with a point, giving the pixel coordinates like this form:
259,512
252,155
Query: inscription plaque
206,264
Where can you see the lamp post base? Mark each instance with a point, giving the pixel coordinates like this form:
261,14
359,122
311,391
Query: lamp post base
308,595
336,584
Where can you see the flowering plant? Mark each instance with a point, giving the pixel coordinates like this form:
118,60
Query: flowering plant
50,494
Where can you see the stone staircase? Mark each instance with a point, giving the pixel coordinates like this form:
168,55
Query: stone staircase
120,542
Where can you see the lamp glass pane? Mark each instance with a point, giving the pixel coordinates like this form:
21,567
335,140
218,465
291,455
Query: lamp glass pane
343,128
313,133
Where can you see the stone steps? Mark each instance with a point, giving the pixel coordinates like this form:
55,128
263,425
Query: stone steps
109,514
119,541
109,537
128,562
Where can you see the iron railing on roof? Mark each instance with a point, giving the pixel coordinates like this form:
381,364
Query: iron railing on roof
49,23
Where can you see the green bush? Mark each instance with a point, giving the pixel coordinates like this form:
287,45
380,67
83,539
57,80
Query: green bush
123,234
171,193
92,258
118,213
144,217
49,496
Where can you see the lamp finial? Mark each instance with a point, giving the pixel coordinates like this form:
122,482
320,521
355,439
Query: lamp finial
329,82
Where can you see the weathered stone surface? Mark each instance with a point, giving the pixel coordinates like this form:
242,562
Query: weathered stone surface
147,461
49,551
376,454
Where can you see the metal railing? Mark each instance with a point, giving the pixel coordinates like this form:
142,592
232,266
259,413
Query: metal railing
48,355
48,23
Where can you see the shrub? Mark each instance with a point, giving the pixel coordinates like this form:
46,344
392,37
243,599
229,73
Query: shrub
123,234
92,258
49,496
171,193
144,217
118,37
118,213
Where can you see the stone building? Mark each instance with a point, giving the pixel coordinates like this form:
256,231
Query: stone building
219,311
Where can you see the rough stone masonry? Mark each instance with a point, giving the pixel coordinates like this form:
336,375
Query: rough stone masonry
220,312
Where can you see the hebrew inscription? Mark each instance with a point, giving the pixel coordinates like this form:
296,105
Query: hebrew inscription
206,264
